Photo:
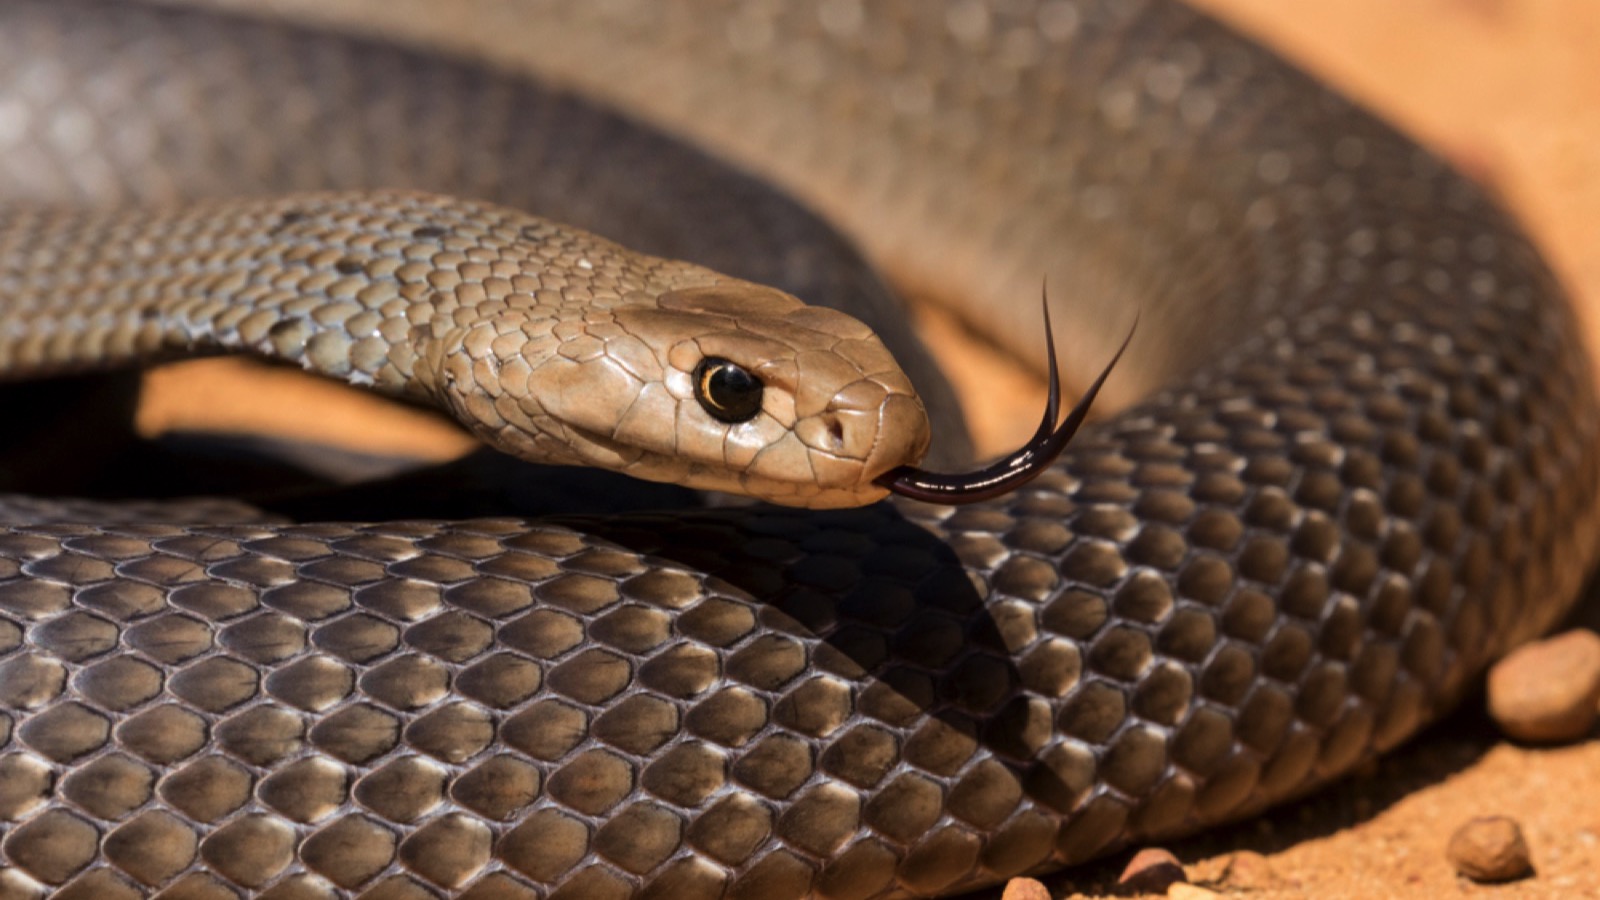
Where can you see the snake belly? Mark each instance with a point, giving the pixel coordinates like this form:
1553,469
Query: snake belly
1363,466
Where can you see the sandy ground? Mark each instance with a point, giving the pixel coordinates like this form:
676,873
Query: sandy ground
1510,89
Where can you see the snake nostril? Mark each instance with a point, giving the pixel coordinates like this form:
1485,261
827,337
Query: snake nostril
835,432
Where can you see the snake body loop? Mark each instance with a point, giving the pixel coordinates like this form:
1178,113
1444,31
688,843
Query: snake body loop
1363,465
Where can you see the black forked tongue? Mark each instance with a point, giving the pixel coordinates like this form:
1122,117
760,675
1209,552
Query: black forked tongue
1023,465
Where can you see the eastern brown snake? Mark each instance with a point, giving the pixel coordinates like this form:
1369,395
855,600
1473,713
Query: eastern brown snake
1363,466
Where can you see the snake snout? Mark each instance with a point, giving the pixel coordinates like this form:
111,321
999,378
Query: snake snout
904,435
866,429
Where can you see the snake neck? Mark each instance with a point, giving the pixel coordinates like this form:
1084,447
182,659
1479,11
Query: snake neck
376,289
99,290
546,342
414,295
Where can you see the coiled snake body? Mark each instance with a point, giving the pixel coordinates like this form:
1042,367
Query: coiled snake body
1370,471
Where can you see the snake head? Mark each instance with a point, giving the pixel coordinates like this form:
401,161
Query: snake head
726,386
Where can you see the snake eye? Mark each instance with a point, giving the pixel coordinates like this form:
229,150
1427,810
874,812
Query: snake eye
727,390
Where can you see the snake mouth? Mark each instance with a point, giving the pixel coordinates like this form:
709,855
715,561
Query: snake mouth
596,449
1021,465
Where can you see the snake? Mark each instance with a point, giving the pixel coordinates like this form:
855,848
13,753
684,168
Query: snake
1353,459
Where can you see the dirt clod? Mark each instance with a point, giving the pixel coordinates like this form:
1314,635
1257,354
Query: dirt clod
1490,849
1151,871
1548,691
1025,889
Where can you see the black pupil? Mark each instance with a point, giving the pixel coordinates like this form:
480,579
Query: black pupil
727,390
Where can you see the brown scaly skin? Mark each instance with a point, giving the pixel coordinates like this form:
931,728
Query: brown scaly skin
1377,473
549,343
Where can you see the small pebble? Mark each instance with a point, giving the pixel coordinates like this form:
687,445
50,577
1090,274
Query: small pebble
1490,849
1548,691
1181,891
1025,889
1151,871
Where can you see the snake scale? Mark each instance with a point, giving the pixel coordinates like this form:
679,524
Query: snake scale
1361,464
